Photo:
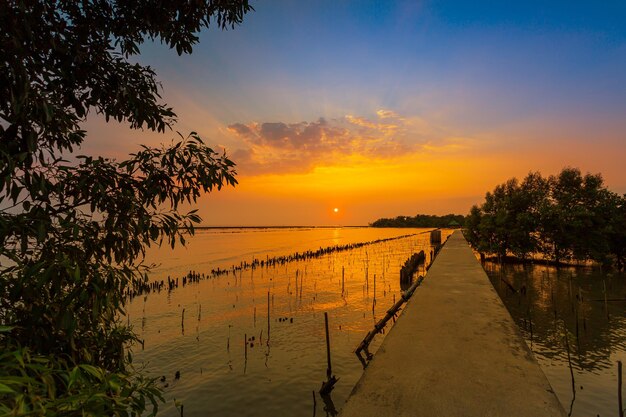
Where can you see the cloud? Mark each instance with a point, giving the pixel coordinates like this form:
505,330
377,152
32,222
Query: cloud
279,147
241,129
387,114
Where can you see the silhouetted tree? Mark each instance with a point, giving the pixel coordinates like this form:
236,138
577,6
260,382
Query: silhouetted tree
472,228
617,229
73,234
420,220
565,217
576,221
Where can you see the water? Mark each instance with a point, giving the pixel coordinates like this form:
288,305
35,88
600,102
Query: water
221,374
570,301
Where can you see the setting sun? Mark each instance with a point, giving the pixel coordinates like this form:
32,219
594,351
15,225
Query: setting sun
336,210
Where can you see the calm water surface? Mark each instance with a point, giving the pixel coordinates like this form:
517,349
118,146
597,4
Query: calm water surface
200,330
570,302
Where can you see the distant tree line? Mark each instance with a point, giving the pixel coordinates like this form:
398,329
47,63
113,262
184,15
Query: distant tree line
565,218
421,220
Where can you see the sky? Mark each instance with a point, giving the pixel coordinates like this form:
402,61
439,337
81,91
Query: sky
387,108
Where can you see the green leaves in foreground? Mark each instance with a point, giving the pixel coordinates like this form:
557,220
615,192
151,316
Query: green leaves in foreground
43,386
75,253
74,229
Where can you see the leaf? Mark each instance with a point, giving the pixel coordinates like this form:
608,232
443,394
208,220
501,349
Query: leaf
73,377
5,389
93,371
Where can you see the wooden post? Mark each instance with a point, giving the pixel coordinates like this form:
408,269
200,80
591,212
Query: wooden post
268,317
329,370
569,361
328,386
606,304
374,287
619,388
182,322
342,280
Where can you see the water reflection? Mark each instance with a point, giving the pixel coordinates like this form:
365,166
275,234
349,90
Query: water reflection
580,307
259,334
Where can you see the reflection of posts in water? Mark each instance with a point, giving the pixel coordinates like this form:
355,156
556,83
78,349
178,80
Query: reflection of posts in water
595,336
571,371
361,359
329,406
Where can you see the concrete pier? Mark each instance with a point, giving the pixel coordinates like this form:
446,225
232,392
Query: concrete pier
454,351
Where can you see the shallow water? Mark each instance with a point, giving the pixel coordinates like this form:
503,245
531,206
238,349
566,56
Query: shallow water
201,330
570,301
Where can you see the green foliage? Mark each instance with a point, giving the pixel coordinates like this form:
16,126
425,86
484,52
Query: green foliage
507,220
566,217
46,385
421,220
74,233
575,225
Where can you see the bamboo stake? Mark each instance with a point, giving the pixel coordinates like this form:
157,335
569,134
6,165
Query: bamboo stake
606,304
268,317
331,379
342,280
619,389
374,287
569,362
329,370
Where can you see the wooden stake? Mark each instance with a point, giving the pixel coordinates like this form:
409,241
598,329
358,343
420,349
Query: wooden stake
329,370
374,288
606,305
328,386
268,317
569,361
342,283
619,389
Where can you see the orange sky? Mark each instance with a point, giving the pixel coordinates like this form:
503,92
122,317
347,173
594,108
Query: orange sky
284,184
417,108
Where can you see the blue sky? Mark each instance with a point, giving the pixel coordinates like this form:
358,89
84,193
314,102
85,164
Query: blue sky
531,85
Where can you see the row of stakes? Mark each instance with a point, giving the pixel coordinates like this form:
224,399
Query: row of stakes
327,386
141,287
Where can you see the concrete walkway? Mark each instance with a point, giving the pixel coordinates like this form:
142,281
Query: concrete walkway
454,351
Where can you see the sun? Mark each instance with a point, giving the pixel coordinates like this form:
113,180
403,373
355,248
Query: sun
336,210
